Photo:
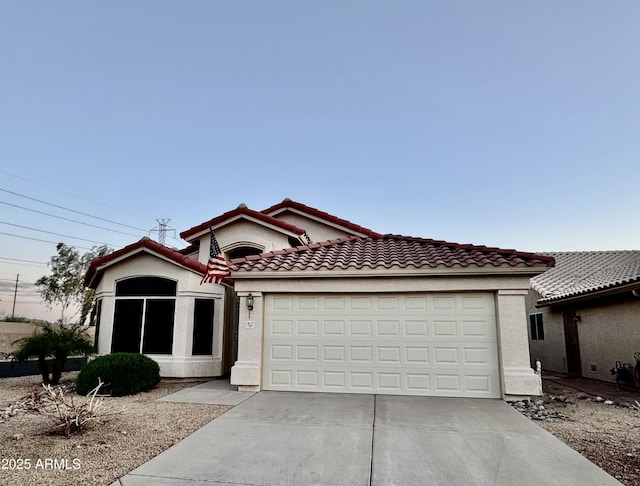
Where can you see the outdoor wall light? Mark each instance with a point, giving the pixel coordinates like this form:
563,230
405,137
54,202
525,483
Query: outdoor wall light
250,302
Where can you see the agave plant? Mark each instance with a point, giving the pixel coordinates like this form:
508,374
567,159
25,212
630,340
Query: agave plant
55,342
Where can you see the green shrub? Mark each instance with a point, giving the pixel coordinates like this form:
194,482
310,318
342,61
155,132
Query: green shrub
53,341
122,374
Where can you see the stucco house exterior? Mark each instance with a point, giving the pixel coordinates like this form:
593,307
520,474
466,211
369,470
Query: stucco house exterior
584,314
317,303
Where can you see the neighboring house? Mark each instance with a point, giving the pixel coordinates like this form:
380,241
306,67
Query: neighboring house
317,303
584,314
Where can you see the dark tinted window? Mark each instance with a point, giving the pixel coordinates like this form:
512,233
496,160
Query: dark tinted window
203,327
127,326
158,326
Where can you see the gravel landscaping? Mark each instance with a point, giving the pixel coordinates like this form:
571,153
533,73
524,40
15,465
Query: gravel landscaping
606,433
101,454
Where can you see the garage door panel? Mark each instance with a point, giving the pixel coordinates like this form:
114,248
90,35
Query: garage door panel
413,344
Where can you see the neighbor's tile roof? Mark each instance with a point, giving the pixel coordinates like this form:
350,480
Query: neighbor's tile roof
241,210
386,252
287,204
582,272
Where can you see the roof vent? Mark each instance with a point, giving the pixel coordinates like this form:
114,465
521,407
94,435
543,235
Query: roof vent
242,206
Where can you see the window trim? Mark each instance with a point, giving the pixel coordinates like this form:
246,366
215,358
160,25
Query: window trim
143,317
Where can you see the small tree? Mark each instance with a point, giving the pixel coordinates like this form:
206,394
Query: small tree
53,341
65,284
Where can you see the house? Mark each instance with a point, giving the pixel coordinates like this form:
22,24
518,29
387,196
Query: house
584,314
317,303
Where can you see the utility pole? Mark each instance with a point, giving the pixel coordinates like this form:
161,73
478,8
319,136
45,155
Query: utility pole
15,293
162,230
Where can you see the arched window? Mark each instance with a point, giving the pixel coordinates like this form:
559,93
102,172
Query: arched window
243,251
144,315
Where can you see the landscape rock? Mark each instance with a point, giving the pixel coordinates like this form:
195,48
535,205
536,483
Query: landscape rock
535,410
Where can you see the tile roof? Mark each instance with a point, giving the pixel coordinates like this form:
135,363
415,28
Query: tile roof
583,272
142,245
389,251
241,210
288,204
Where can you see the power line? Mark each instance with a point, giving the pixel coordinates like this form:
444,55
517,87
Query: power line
56,234
72,210
57,189
38,239
23,261
68,219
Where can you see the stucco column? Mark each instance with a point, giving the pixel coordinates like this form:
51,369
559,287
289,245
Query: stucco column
246,373
106,323
517,376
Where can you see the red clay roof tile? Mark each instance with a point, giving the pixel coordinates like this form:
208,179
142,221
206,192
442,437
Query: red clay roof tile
151,245
386,252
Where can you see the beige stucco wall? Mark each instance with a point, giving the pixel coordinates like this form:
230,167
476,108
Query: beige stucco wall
517,376
12,331
551,351
180,363
608,333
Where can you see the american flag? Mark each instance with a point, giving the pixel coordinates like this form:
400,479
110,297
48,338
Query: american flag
217,267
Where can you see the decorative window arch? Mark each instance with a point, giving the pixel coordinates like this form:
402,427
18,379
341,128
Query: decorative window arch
144,315
241,249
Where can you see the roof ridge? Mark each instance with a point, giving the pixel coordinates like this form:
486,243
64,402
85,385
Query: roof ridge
290,203
242,209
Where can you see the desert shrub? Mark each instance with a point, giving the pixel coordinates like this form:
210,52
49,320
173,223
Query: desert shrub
68,415
122,374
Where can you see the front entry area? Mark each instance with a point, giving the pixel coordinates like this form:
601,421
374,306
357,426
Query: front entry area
428,344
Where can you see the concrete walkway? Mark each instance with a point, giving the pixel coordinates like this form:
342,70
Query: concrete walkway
279,438
216,392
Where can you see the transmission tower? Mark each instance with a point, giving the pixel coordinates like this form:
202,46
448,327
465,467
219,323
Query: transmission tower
162,229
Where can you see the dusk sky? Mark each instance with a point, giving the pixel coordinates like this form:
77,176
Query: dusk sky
502,123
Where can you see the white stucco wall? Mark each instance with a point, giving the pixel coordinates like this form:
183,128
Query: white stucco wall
316,230
516,375
240,233
180,363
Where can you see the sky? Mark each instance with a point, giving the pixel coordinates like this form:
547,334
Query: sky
503,123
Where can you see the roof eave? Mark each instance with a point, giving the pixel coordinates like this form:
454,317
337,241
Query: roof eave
589,295
97,271
395,271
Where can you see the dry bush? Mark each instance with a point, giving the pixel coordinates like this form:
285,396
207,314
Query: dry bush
69,415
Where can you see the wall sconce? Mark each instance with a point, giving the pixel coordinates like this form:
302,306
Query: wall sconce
250,302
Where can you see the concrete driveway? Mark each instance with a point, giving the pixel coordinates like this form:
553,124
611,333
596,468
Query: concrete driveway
278,438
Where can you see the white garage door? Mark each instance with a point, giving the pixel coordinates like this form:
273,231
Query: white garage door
404,344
